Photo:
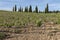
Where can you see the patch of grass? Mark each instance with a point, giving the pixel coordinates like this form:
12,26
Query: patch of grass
39,23
58,22
2,36
19,18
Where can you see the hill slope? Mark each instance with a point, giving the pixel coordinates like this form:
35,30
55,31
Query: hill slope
20,19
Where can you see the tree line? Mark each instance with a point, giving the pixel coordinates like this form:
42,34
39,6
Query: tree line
26,9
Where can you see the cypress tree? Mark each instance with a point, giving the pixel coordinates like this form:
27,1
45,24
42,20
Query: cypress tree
36,9
19,10
15,8
46,9
30,8
22,10
26,9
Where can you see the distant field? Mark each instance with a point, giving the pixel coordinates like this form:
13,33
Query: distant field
19,18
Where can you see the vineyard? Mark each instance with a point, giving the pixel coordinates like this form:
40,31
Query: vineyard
29,26
18,19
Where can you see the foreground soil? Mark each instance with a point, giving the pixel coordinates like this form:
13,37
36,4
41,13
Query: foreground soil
47,31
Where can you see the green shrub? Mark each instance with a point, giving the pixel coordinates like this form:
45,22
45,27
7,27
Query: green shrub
2,36
58,22
9,25
39,23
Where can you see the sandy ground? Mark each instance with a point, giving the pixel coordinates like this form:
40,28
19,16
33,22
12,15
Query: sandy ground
47,31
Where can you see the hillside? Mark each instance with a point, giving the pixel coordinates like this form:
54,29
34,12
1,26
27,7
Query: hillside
20,19
23,26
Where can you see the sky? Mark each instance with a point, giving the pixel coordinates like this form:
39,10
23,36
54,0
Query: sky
8,4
